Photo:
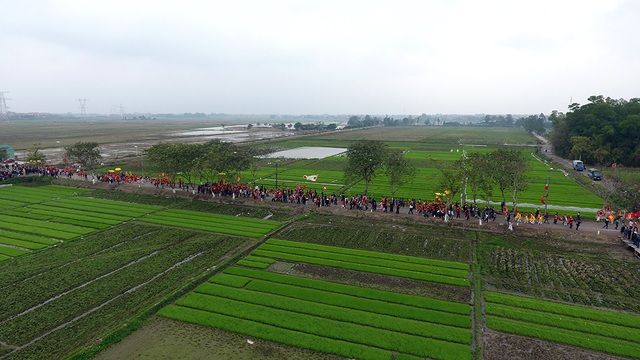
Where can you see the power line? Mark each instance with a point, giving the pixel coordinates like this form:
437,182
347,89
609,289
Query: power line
83,107
4,110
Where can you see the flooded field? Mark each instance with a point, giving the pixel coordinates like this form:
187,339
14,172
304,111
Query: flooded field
307,152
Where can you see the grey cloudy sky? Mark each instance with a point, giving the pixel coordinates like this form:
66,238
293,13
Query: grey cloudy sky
315,57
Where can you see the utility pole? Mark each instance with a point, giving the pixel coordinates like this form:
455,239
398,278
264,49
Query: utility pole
4,110
546,196
83,107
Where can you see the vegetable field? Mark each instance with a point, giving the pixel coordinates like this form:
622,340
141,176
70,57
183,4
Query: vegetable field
610,332
334,318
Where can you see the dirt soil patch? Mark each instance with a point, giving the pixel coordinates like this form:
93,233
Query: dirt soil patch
501,346
163,338
383,282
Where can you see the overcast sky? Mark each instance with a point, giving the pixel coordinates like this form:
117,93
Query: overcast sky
316,57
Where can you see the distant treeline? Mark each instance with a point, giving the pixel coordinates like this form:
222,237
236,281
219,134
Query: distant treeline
604,131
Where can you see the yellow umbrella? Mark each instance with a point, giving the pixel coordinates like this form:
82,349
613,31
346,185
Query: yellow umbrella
118,169
112,171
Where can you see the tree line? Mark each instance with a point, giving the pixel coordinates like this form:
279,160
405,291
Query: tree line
604,131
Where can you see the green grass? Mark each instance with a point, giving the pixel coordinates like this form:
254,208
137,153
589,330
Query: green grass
364,267
273,333
355,291
339,330
230,280
21,243
341,313
253,264
580,339
580,312
13,252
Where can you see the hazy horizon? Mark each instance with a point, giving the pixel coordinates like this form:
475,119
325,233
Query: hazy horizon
316,57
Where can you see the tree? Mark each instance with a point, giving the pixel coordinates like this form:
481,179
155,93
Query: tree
3,153
34,155
398,169
452,179
364,158
86,153
297,125
505,164
478,174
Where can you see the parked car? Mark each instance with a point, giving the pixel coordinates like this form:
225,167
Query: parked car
594,174
578,165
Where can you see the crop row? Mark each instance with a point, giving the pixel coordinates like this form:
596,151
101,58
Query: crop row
231,229
11,251
7,204
371,254
121,298
335,254
185,222
363,267
4,257
67,254
88,216
30,238
574,311
564,322
60,217
570,337
424,241
273,333
37,230
105,206
53,282
21,329
52,207
338,312
258,224
382,297
337,330
21,243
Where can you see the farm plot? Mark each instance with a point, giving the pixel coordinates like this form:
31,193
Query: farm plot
402,266
574,270
57,301
23,194
600,330
224,224
346,320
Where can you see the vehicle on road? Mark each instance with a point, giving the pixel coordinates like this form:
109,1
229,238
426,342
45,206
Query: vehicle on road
578,165
594,174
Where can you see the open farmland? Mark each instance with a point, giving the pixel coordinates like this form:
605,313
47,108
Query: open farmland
426,147
383,286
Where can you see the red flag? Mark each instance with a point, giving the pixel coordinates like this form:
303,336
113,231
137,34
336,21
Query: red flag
546,187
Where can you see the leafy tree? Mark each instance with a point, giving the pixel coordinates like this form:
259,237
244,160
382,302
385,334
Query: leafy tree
34,155
3,153
297,125
86,153
505,165
478,174
452,179
364,158
398,169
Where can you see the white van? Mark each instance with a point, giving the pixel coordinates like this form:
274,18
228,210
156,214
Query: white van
578,165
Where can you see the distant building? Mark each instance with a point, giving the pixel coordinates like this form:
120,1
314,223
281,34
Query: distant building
10,153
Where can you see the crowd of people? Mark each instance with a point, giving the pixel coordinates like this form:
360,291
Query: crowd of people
12,170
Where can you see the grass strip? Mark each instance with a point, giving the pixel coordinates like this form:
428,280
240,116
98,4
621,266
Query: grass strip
210,223
31,238
52,207
587,341
211,228
373,294
364,267
112,204
4,257
84,215
46,225
564,322
340,313
230,280
355,259
38,231
13,252
221,220
338,330
371,254
353,302
273,333
84,223
21,243
260,259
7,204
253,264
189,214
575,311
